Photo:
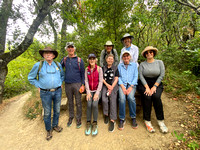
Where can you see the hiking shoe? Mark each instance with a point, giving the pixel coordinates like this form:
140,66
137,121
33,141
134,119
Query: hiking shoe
94,129
106,119
78,123
121,124
163,127
88,128
57,128
49,135
134,124
111,126
149,126
69,122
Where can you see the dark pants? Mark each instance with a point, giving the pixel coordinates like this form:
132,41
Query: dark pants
72,90
155,99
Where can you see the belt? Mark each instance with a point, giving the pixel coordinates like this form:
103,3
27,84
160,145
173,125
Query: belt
51,90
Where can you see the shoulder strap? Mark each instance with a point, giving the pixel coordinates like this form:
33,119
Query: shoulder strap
58,65
79,63
40,66
64,60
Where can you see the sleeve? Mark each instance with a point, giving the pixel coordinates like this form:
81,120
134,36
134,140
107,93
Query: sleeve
100,81
162,71
120,77
82,72
62,75
135,76
141,74
62,63
116,57
86,82
121,61
135,56
102,58
116,73
32,76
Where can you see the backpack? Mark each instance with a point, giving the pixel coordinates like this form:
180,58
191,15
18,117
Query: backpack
79,62
41,64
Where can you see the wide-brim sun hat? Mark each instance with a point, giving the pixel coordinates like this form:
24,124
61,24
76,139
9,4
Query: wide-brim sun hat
149,48
109,43
127,35
125,52
48,49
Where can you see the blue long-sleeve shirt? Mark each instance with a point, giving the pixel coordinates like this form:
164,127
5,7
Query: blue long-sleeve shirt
50,76
73,74
129,75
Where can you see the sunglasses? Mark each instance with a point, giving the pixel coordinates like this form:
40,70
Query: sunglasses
148,52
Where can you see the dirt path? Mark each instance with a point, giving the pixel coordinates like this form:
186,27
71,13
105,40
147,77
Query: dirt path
17,132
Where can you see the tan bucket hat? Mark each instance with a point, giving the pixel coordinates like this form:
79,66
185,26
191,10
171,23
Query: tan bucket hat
109,43
48,49
149,48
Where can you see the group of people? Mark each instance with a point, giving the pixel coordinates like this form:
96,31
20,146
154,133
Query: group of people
115,81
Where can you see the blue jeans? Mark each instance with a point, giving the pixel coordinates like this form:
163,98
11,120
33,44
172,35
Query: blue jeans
131,103
47,98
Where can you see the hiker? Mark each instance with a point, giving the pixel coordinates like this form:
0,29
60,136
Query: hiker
74,82
109,49
93,85
151,73
50,77
128,46
109,92
128,76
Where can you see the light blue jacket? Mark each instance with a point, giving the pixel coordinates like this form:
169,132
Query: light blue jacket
50,76
129,75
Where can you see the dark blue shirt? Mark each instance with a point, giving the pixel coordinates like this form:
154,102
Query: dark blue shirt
73,74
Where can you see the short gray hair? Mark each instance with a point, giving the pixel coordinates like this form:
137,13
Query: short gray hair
109,55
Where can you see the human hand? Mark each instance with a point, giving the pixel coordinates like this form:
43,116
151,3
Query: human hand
153,90
96,97
39,90
82,89
124,90
128,91
88,97
148,92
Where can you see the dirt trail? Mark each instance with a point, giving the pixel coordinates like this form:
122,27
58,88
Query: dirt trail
17,132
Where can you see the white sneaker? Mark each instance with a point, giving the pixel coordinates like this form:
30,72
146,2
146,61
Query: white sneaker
163,127
149,126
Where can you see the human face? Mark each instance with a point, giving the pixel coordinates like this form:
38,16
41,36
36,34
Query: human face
110,60
48,56
70,50
108,48
127,42
92,61
149,54
126,58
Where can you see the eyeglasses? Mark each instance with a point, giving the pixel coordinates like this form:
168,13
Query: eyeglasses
125,56
148,52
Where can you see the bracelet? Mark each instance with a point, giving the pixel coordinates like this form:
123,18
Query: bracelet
155,85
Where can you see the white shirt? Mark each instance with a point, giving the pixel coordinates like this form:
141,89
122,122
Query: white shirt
134,53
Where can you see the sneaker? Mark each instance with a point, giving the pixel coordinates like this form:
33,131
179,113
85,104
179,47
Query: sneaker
78,123
106,119
111,126
121,124
49,135
94,129
163,127
57,128
88,128
134,124
69,122
149,126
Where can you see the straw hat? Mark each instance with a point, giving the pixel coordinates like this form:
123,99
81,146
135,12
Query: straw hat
149,48
109,43
48,49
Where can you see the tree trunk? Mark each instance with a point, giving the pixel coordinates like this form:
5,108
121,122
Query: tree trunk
5,12
5,58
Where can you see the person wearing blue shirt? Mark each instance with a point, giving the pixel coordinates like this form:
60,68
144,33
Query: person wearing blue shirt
128,76
48,76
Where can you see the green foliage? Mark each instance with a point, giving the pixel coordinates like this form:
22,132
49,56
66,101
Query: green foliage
193,145
16,80
178,136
